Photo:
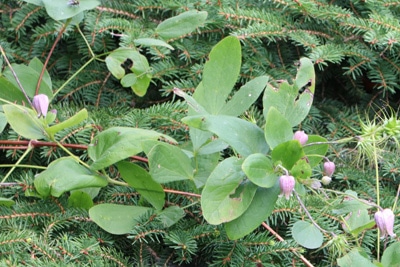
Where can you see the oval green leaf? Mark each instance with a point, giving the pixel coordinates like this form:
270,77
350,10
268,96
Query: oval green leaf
307,235
182,24
117,219
277,128
225,197
168,163
24,121
288,153
65,174
260,170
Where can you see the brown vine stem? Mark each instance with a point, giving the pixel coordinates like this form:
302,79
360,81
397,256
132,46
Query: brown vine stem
23,144
303,259
181,193
49,55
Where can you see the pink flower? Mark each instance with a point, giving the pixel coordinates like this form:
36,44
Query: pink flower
41,104
384,219
329,168
301,137
286,182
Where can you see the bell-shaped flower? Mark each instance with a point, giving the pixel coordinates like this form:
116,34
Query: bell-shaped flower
384,220
41,104
286,183
329,168
301,136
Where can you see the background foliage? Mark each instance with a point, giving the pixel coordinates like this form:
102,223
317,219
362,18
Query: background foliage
354,45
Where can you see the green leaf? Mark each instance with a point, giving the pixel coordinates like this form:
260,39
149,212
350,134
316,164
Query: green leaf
65,174
24,121
288,153
118,143
170,215
260,170
72,121
245,97
168,163
225,196
356,257
80,199
28,76
37,66
205,164
301,169
245,137
60,10
152,42
287,100
277,128
139,179
140,68
307,235
260,209
350,206
315,152
358,221
129,80
6,202
117,219
306,75
182,24
220,75
3,121
10,92
391,255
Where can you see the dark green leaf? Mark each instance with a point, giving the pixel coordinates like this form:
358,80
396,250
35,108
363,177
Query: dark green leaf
139,179
288,153
80,199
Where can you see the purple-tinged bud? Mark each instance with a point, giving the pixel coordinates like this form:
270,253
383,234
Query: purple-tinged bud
301,136
286,182
329,168
326,180
384,219
41,104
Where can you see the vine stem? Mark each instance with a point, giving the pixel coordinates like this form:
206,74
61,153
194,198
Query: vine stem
15,75
17,163
49,55
303,259
378,242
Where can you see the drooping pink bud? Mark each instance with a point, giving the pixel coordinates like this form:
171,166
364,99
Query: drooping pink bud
301,136
41,104
286,183
384,219
329,168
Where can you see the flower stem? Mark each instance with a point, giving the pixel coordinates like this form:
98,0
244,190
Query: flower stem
17,163
377,191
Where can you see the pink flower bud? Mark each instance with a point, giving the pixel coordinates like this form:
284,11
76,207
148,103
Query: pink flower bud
384,219
41,104
329,168
301,137
286,182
